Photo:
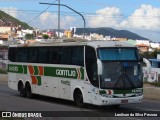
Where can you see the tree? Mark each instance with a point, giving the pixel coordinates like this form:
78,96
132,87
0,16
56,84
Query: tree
45,36
150,55
154,53
29,36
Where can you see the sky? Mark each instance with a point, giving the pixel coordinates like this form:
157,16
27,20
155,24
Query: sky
139,16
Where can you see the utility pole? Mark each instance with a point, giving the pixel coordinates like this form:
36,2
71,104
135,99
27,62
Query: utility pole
58,18
72,10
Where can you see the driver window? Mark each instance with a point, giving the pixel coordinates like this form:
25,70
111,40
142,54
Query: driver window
91,65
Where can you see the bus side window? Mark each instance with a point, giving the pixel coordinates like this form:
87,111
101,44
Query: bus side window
22,54
12,54
77,56
42,56
65,56
32,55
91,65
54,55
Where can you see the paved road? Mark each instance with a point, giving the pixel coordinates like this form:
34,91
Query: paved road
11,101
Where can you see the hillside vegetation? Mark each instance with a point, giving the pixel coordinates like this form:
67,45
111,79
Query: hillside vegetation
7,20
106,31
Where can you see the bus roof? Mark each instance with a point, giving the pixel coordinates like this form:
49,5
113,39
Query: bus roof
77,42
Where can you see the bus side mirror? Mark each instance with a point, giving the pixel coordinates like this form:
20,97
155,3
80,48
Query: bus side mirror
99,66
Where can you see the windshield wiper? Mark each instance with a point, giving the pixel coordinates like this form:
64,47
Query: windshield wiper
123,77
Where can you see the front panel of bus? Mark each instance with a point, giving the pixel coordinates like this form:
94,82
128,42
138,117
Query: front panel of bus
121,79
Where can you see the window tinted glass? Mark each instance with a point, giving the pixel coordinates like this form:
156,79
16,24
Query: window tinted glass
12,54
91,66
78,56
65,57
54,55
117,54
22,54
49,55
32,55
42,56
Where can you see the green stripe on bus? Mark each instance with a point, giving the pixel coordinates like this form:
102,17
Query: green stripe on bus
36,71
61,72
82,72
15,68
49,71
24,69
39,80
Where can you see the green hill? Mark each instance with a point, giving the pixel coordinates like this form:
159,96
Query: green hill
106,31
7,20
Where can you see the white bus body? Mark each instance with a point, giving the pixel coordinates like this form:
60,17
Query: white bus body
75,75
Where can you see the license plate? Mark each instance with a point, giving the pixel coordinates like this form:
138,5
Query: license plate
124,101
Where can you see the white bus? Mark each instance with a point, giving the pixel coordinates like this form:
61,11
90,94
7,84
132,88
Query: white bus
94,72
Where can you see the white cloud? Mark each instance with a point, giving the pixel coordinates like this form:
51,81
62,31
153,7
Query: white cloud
11,11
107,17
143,20
48,18
146,17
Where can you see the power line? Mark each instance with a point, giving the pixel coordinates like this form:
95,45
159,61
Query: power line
64,13
41,13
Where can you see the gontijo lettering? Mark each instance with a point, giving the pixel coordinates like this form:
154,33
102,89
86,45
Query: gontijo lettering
66,72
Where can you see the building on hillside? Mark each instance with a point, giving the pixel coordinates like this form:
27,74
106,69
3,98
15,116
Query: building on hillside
5,29
8,29
145,42
143,47
68,34
107,37
130,41
27,31
154,45
96,36
4,37
120,39
51,34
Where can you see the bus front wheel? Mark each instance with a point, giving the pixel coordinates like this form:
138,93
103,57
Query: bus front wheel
28,91
78,98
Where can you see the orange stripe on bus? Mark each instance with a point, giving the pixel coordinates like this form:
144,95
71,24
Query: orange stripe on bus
31,69
40,70
34,80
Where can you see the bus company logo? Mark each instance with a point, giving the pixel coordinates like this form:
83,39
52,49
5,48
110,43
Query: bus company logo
68,73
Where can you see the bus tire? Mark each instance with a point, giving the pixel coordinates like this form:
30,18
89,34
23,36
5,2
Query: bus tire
21,89
28,91
78,98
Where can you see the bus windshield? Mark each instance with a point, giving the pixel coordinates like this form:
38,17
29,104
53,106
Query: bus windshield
117,54
121,68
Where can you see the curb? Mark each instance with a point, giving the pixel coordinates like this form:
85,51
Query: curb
152,93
